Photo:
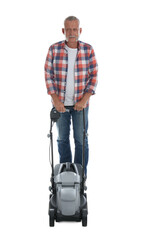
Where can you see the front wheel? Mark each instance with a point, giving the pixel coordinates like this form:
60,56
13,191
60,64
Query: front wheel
51,221
84,221
84,217
51,218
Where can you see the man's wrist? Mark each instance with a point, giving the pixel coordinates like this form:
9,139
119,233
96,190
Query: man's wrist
86,97
55,97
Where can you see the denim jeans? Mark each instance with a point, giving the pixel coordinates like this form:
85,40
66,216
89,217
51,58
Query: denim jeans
63,126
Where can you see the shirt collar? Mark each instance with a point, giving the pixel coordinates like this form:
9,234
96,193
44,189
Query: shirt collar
64,43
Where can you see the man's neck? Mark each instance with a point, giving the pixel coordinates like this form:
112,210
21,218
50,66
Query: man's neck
72,45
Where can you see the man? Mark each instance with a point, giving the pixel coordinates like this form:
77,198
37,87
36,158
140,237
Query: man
71,78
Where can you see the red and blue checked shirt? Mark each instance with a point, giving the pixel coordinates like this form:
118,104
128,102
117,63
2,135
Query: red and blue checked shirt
85,70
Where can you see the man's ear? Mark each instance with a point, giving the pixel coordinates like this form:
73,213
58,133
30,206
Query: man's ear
63,30
80,30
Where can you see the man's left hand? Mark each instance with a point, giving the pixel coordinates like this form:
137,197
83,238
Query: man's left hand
83,102
79,105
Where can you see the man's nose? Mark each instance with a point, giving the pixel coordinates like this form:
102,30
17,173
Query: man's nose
71,31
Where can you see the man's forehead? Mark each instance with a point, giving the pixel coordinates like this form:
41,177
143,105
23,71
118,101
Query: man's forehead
71,23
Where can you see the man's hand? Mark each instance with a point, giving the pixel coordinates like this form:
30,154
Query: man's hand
57,103
59,106
80,105
83,102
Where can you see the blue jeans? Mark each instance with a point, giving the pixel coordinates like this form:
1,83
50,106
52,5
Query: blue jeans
63,126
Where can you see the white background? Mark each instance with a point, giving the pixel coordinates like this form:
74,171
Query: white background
116,171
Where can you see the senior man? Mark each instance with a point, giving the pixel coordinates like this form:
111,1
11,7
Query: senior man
71,78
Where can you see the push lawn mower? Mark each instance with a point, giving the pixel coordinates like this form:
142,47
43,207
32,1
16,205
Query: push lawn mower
68,200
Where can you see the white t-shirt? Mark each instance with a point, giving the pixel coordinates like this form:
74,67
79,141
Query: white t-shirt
69,93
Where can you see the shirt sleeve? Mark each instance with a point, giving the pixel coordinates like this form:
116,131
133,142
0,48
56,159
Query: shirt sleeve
93,73
49,73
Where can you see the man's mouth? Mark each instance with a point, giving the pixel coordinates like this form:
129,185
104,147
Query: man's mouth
71,37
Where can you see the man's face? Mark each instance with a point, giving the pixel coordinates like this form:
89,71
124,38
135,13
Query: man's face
72,31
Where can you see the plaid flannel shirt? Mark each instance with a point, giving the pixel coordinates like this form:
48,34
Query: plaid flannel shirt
85,70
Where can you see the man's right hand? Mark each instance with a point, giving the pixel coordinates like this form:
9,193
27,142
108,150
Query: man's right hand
57,103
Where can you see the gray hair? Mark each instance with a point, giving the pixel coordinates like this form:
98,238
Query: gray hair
71,18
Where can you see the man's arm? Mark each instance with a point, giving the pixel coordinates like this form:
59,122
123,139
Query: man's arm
50,83
93,73
49,73
91,86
